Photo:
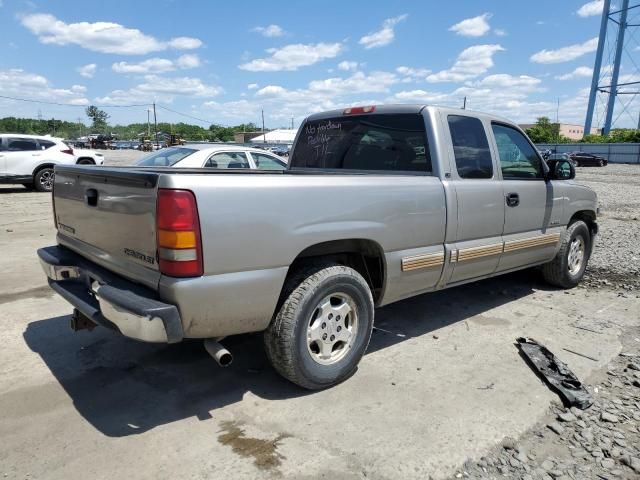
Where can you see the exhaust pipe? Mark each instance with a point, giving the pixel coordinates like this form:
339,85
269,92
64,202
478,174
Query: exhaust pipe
218,352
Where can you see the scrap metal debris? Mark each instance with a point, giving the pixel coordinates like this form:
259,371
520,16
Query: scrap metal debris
555,373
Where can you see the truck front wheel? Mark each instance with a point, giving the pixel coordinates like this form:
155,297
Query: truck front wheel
323,327
568,267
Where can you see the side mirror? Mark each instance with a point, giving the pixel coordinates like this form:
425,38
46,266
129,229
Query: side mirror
562,170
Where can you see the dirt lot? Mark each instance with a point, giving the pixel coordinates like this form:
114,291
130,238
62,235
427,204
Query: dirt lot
441,386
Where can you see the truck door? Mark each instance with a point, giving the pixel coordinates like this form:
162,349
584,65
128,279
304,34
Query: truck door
532,209
480,202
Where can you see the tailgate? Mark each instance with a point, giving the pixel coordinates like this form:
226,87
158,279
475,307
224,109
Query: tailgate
108,216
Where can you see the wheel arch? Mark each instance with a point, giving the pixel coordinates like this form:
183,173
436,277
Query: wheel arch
588,217
363,255
85,161
40,167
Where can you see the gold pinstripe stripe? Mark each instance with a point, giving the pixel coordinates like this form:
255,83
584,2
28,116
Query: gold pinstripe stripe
538,241
474,253
426,260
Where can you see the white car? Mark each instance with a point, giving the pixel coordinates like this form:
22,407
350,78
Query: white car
206,155
29,159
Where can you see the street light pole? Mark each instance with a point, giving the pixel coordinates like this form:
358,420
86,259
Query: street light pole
155,123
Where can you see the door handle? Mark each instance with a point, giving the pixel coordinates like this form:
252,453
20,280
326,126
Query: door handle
513,199
35,154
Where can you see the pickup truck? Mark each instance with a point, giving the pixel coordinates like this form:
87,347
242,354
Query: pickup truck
377,204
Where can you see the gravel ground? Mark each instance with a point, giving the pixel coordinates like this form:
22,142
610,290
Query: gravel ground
616,260
602,442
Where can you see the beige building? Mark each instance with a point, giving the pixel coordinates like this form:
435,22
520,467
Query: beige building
569,130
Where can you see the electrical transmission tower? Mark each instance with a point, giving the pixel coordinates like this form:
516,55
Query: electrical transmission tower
607,84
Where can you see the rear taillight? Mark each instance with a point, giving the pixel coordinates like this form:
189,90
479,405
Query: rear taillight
178,234
68,151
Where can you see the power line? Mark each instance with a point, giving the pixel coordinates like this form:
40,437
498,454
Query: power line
185,114
73,105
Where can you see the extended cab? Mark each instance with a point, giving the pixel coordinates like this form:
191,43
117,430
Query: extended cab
378,204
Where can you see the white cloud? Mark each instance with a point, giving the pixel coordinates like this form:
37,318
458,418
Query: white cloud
157,65
269,31
500,32
162,89
152,65
87,71
578,72
356,83
103,37
15,82
411,74
472,27
590,9
292,57
348,66
565,54
188,60
512,82
252,86
471,62
385,35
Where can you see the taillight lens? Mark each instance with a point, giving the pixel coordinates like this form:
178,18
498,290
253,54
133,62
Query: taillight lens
68,151
178,234
359,110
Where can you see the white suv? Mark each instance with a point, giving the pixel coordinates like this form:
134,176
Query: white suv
29,159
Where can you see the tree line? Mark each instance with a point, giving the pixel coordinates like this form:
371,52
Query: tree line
99,124
544,131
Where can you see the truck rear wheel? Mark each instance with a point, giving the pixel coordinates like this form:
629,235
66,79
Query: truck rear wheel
323,327
568,266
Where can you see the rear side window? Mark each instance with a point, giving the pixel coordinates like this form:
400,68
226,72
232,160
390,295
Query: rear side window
378,142
228,160
267,162
21,144
470,147
45,144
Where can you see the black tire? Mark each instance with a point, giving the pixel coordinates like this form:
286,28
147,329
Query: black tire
601,163
43,179
286,341
85,161
558,272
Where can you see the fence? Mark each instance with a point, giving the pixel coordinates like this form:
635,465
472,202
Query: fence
614,152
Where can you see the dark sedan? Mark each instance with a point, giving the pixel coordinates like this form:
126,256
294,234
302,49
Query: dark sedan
582,159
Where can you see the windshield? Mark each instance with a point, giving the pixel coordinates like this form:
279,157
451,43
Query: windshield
365,142
165,157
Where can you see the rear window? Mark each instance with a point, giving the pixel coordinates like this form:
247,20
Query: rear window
165,157
378,142
45,144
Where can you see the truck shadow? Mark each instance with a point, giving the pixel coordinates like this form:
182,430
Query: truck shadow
123,387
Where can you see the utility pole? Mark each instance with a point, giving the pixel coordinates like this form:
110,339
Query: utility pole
558,121
148,123
155,123
264,135
464,103
291,123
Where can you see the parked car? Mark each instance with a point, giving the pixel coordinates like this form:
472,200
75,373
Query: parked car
558,156
583,159
207,155
378,204
29,159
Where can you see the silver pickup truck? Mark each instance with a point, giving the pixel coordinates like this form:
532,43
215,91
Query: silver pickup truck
378,204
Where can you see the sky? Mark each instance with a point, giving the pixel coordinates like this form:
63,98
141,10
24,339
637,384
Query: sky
208,62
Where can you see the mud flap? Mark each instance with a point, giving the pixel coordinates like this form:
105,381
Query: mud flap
555,373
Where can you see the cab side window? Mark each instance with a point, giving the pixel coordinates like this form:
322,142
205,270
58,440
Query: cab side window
470,147
267,162
518,158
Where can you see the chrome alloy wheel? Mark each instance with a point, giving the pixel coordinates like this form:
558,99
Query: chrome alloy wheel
332,329
575,257
46,179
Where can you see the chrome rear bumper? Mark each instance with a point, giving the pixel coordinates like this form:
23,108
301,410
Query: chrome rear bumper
110,300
